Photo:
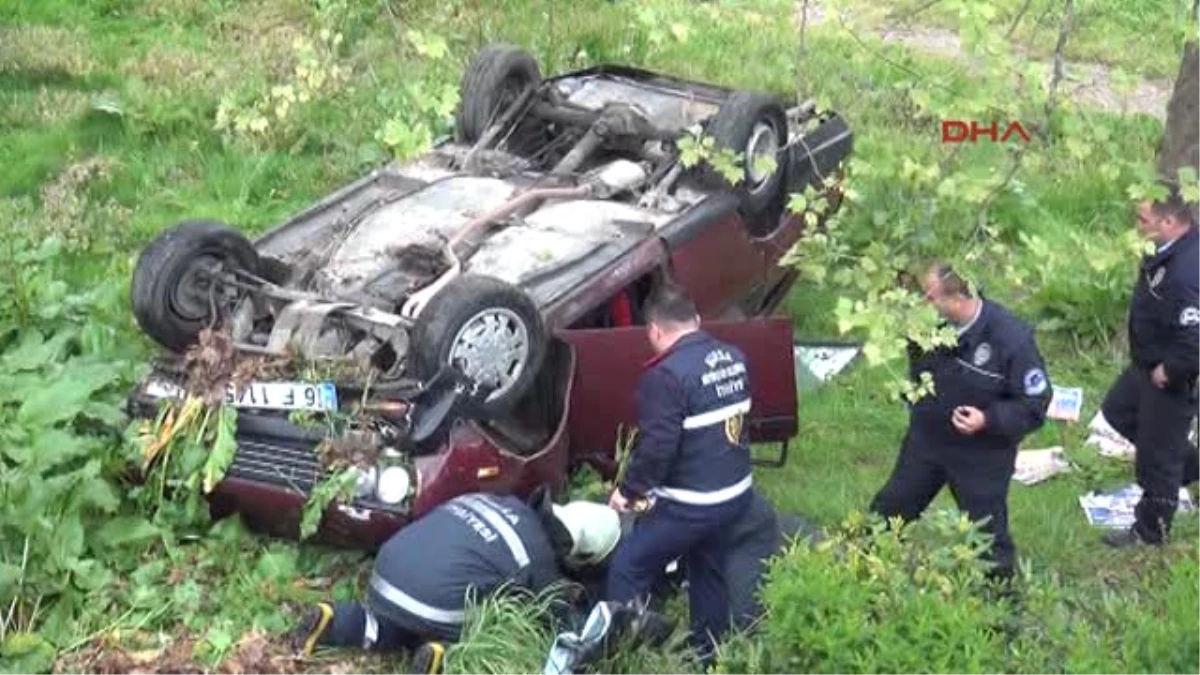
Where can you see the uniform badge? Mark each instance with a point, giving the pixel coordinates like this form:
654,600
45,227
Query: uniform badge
733,429
1190,316
1035,382
982,353
1157,279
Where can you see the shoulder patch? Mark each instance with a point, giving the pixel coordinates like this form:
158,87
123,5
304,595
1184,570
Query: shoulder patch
1190,316
1035,382
982,354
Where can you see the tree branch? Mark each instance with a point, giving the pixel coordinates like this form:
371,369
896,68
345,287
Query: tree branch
1063,31
802,51
900,18
1017,19
900,66
1014,165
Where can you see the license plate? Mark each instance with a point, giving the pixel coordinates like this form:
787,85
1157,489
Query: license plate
284,396
320,397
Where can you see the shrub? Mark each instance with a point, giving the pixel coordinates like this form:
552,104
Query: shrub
876,599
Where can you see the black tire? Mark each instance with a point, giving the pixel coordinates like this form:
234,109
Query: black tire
494,79
165,309
462,302
733,128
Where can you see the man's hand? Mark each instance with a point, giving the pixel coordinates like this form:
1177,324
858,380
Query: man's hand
1159,376
617,501
968,420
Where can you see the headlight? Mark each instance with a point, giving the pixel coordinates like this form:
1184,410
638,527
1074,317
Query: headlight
393,485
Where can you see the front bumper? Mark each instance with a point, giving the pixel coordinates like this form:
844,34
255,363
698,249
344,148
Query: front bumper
273,473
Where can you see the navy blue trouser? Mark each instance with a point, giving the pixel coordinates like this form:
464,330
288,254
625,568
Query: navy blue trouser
349,629
696,534
1157,422
978,479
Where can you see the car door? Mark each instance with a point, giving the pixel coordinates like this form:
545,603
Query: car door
713,256
609,362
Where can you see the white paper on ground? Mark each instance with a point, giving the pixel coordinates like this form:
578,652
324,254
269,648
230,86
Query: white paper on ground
1035,466
1114,510
1107,440
825,361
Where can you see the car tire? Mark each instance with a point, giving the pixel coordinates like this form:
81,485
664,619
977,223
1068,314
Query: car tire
494,79
169,302
749,123
472,307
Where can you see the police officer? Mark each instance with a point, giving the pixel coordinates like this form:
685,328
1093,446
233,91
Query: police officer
476,543
1153,401
691,462
991,390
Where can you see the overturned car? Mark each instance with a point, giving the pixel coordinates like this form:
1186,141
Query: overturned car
482,302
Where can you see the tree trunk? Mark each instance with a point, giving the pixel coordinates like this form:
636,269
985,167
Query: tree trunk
1181,142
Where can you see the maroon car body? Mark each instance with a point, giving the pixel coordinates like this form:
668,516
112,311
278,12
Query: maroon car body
582,395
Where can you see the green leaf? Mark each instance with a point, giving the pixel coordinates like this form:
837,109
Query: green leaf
55,446
67,545
27,653
277,565
35,352
10,575
123,530
66,396
223,449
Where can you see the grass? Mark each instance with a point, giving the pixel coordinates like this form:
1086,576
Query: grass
1141,38
135,88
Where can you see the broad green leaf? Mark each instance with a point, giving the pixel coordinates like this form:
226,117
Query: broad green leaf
67,544
278,565
89,575
10,575
34,351
123,530
55,446
65,397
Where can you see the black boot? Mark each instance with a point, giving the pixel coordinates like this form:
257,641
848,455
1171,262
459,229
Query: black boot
312,630
429,658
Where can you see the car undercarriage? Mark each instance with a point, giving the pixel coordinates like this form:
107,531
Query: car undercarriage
446,303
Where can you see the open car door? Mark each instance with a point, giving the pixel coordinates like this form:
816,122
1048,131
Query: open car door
609,362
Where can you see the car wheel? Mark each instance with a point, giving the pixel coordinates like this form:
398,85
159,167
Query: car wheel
491,330
753,125
494,79
173,294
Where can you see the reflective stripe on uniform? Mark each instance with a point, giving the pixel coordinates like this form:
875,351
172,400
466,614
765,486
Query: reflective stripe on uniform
705,498
370,630
716,416
981,371
497,520
413,606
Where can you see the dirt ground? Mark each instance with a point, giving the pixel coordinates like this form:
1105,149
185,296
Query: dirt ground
256,652
1090,85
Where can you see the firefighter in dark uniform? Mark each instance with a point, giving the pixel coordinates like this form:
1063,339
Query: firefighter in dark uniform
691,464
990,391
1153,401
477,542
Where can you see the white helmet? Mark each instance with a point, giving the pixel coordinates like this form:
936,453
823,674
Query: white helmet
595,530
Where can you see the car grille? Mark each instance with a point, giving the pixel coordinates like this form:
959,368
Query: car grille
287,463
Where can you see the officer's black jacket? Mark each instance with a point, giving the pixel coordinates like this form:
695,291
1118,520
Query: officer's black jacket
996,367
1164,318
478,541
691,402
